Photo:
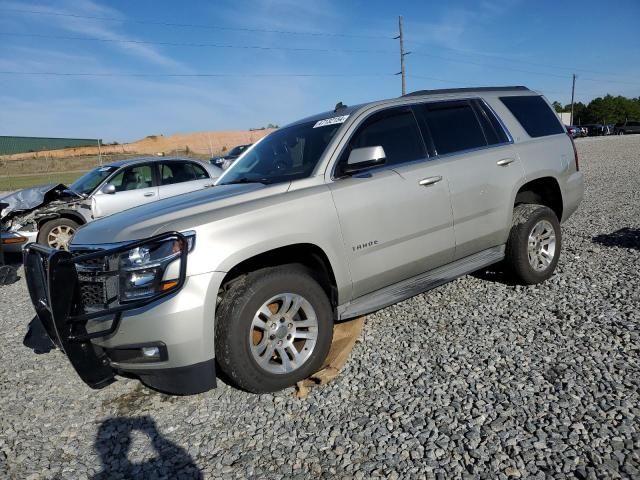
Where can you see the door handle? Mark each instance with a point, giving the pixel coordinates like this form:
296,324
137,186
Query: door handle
149,194
208,185
430,181
505,161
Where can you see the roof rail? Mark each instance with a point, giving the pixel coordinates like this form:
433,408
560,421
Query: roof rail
463,90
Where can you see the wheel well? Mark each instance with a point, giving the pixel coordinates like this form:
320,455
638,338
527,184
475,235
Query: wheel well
544,191
307,254
63,214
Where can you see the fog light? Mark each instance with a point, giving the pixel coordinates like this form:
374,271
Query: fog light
151,352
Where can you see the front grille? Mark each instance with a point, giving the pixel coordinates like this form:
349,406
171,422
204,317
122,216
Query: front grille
93,294
98,280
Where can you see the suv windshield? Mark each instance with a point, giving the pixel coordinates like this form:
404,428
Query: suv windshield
89,181
287,154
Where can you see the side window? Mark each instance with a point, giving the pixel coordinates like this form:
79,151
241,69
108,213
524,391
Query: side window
133,178
176,172
453,126
490,124
199,172
535,116
395,130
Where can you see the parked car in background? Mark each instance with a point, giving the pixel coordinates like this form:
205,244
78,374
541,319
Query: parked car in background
51,214
329,218
573,131
227,160
595,129
627,127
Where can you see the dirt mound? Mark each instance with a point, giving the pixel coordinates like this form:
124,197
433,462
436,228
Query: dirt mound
200,142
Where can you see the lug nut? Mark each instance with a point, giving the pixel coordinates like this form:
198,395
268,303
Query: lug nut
290,325
271,337
289,337
282,320
279,343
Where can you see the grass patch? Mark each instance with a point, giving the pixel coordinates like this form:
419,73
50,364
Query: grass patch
26,181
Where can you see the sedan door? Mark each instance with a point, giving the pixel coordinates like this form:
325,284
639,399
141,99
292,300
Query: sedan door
395,219
178,177
130,187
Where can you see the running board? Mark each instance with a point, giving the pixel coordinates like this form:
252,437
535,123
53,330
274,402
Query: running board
421,283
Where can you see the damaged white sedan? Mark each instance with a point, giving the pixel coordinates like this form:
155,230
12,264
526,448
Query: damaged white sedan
51,214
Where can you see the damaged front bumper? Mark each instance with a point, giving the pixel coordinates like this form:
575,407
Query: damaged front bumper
55,286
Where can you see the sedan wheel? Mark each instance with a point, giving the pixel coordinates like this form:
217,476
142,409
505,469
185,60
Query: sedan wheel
60,236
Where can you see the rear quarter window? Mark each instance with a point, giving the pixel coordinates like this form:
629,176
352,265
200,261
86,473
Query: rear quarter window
535,116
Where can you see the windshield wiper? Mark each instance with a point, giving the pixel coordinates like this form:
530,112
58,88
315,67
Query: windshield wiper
264,181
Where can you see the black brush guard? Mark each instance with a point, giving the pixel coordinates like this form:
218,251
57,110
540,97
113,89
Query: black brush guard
53,284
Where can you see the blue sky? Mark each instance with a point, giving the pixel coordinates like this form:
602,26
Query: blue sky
453,44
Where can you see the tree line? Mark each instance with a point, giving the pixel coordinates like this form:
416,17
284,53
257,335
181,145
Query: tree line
605,110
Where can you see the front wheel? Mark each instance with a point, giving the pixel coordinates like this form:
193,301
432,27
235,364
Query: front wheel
274,327
533,248
57,233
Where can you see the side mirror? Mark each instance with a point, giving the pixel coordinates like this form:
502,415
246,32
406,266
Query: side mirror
109,189
365,157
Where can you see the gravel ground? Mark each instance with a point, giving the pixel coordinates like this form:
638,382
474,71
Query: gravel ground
477,379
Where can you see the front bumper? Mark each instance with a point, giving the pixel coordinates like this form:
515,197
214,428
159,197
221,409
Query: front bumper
15,242
102,344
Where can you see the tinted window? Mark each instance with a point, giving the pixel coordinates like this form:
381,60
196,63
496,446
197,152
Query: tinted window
395,130
198,171
534,115
493,130
177,172
453,126
133,178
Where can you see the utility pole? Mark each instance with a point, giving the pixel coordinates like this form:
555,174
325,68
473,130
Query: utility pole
402,55
573,91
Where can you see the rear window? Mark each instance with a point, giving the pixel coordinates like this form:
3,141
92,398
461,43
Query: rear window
535,116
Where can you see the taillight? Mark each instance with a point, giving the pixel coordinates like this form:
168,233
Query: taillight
575,152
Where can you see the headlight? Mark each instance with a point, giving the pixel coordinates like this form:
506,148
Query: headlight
148,270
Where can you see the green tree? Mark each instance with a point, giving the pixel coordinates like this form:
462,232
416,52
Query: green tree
558,106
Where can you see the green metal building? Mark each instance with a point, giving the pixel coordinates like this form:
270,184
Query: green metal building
10,145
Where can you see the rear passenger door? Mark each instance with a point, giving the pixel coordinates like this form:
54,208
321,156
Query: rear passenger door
179,177
481,167
393,227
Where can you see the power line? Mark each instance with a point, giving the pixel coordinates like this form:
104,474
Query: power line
296,49
194,75
556,75
195,25
188,44
514,60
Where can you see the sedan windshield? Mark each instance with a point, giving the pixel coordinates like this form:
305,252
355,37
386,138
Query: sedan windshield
89,181
287,154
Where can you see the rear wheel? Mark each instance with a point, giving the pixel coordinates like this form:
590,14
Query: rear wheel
57,233
274,327
533,248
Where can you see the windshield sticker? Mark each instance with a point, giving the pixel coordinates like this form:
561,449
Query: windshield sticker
330,121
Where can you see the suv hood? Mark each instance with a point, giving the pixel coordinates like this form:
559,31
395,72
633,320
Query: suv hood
179,213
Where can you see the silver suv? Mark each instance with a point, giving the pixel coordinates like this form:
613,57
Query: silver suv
329,218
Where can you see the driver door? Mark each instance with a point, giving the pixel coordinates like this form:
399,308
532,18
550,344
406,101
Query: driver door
134,186
396,222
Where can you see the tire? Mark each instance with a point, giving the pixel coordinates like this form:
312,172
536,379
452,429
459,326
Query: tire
239,338
57,233
538,223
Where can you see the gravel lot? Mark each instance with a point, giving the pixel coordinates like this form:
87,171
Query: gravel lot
477,379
